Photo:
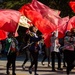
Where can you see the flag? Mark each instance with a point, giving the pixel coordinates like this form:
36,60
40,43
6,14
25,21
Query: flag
9,20
47,20
62,26
3,35
71,23
72,5
42,23
51,14
47,40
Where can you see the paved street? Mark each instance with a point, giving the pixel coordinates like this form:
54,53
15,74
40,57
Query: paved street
42,70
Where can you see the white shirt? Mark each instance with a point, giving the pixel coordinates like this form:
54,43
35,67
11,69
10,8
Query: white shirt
54,44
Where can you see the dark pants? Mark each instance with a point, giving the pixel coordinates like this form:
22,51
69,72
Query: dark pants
46,55
64,63
53,59
35,60
11,58
69,58
27,56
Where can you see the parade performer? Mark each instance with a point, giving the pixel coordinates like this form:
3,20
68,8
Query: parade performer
12,51
34,48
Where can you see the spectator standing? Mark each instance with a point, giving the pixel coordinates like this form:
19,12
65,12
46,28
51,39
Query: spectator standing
55,51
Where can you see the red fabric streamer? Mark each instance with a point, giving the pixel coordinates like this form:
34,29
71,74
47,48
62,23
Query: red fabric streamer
3,35
9,20
72,5
71,23
62,26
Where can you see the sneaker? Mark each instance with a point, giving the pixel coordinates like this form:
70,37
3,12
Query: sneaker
49,65
42,63
23,67
36,74
64,66
13,73
53,70
30,70
8,73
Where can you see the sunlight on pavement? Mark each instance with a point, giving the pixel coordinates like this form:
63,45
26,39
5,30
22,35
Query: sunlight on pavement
20,74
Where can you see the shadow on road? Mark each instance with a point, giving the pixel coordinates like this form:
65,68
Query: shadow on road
46,71
2,74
